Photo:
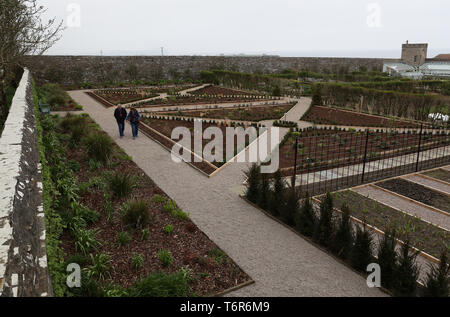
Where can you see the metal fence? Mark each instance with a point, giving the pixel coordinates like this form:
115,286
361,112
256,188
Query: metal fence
328,160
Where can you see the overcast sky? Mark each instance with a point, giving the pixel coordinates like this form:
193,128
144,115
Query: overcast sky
280,27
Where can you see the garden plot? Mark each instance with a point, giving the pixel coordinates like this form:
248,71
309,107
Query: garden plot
163,129
323,149
407,206
418,193
335,116
429,182
440,174
127,234
422,235
216,90
253,113
173,101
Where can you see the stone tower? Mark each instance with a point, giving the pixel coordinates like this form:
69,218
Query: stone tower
414,54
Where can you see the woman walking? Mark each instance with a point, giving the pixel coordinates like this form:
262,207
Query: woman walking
134,118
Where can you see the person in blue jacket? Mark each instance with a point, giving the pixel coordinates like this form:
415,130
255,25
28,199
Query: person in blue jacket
134,117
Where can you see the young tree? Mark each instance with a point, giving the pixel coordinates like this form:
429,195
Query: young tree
264,192
343,240
324,228
290,208
22,33
407,273
277,196
253,183
387,259
361,253
438,279
305,221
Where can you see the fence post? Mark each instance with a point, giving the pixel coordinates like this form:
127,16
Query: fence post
365,156
295,162
418,148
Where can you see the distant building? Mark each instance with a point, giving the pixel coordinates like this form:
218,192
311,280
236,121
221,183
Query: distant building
415,64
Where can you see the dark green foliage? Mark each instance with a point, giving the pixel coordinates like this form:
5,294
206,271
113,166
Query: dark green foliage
343,240
277,195
387,259
361,253
276,91
438,279
121,184
316,96
136,213
253,183
324,229
290,209
161,285
99,147
306,219
264,192
407,273
89,287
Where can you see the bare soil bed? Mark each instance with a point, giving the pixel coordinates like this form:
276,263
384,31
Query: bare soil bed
212,270
333,116
417,192
120,96
166,127
422,235
250,113
216,90
440,174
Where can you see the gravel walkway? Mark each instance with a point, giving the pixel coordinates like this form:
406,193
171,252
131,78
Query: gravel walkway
430,183
404,205
280,262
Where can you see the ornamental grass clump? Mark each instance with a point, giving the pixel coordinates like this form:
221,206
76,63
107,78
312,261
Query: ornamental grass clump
99,147
135,214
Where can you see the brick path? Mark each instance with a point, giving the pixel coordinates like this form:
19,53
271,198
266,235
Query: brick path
280,262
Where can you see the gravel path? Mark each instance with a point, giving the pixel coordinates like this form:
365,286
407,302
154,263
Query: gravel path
404,205
280,262
427,182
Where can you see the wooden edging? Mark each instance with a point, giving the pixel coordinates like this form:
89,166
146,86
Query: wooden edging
381,232
434,209
169,150
311,242
408,178
437,180
235,288
101,100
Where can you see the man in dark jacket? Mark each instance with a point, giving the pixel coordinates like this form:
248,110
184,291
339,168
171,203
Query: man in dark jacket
120,114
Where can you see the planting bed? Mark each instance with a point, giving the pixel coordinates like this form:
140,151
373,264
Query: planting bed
324,149
333,116
216,90
166,127
440,174
193,100
417,192
211,270
116,96
422,235
250,113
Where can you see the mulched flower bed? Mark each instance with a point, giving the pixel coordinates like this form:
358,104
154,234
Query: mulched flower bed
422,235
216,90
417,192
250,113
212,270
333,116
166,127
440,174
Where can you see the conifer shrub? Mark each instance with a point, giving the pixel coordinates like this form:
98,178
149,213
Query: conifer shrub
306,219
438,279
291,207
253,183
324,228
343,239
361,253
387,259
407,273
277,195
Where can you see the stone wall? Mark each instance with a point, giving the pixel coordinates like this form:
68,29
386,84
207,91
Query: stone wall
23,258
95,69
